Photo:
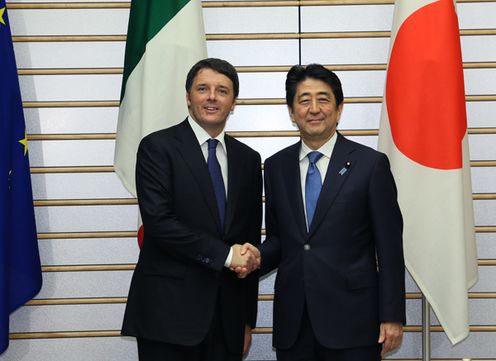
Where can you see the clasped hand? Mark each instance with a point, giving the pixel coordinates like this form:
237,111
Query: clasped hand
245,259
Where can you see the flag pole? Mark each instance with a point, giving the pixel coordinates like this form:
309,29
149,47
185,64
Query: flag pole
426,330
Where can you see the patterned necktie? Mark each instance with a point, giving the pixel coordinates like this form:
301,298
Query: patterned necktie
313,185
217,180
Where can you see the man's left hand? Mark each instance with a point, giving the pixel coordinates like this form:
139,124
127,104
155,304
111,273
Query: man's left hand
253,254
391,334
247,343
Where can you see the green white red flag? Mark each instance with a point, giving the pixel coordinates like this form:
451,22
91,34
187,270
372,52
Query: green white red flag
165,39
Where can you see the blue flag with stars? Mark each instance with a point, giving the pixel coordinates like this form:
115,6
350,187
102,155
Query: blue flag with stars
20,270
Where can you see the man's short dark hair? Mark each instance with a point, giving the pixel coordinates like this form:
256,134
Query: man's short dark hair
218,65
299,73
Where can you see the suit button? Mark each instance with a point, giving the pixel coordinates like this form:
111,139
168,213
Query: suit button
306,247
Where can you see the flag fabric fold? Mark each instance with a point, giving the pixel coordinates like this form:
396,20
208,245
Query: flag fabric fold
20,270
165,39
423,130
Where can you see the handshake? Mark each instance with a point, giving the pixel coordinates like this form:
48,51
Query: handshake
246,258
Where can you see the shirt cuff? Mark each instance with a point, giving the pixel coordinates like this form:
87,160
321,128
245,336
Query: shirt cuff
228,261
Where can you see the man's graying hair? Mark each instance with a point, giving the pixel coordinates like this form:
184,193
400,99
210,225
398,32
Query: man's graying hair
299,73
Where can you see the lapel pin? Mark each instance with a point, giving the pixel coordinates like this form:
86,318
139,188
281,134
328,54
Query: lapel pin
345,168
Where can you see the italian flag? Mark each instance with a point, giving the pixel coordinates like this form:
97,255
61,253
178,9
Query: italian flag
423,130
165,39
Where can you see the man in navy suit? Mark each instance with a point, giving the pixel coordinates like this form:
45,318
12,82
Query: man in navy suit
200,196
334,231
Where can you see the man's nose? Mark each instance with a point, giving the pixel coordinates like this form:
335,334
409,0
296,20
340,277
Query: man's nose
211,94
314,106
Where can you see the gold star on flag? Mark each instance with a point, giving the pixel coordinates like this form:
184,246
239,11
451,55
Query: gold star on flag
24,142
2,10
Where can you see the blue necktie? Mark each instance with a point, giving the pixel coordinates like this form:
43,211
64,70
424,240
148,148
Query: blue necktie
217,180
313,185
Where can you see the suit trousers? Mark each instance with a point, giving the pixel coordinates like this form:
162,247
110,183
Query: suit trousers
307,348
212,348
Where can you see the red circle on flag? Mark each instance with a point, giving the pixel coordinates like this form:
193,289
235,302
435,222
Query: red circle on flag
424,88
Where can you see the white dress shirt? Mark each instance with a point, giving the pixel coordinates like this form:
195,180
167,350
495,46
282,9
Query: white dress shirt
221,152
322,164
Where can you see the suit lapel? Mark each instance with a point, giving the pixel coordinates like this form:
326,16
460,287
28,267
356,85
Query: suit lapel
234,179
191,152
334,180
292,179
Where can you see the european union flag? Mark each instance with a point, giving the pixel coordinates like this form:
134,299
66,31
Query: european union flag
20,270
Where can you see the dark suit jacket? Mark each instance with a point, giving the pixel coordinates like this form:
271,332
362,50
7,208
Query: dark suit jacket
348,268
180,275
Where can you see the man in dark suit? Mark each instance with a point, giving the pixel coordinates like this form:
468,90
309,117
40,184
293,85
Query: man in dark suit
334,230
199,194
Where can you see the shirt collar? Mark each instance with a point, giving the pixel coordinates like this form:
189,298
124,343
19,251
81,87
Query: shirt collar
326,148
201,134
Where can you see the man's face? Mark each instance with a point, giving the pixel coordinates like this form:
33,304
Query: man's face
315,111
210,100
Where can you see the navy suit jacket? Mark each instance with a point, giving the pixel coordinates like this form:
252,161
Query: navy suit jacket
180,276
348,268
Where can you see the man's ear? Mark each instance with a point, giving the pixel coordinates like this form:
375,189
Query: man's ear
340,111
291,115
188,101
